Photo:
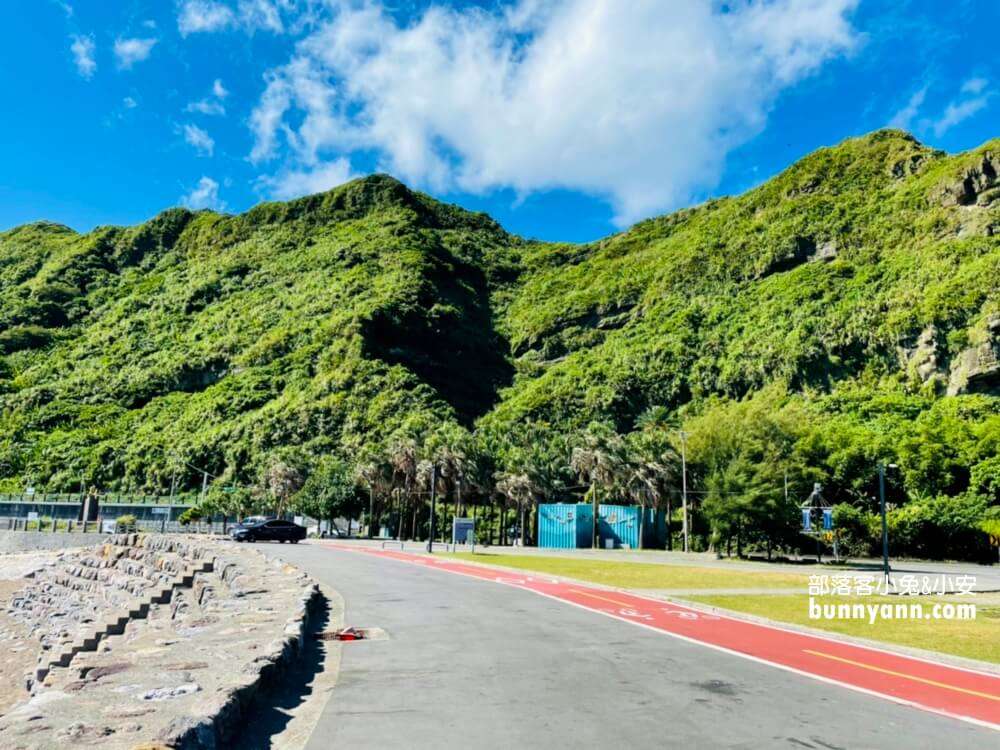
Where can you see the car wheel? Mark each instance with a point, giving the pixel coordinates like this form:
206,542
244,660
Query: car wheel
282,541
295,541
251,538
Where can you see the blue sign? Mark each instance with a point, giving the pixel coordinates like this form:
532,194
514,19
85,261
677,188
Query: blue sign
827,518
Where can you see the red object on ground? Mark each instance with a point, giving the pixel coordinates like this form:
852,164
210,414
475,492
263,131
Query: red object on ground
349,634
957,692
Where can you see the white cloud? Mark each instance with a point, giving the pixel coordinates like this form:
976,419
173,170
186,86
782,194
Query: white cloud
904,117
973,97
638,102
974,86
261,14
959,111
210,105
204,195
197,16
276,16
133,50
83,55
292,184
202,142
130,103
206,107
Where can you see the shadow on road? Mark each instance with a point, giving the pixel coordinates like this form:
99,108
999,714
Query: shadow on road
273,710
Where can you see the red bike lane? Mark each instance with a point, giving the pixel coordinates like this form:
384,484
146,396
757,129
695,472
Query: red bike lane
932,686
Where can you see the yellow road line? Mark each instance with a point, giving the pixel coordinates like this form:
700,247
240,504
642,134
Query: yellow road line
905,676
602,598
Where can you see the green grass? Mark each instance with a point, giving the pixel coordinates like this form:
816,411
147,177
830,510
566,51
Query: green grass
973,639
641,575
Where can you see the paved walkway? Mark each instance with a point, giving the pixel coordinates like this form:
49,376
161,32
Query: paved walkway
480,665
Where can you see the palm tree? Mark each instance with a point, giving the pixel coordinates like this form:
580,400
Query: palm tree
653,445
598,460
377,477
404,460
518,489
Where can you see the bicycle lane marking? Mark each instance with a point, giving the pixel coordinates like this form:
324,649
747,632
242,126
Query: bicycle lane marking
932,686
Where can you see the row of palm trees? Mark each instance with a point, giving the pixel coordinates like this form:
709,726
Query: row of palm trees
476,469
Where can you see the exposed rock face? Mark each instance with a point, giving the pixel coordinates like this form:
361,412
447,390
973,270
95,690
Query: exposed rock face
926,359
977,369
976,182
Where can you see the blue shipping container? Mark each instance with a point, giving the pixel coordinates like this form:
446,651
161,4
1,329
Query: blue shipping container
565,526
620,524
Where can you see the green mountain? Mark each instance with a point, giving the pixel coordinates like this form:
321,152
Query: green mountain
858,289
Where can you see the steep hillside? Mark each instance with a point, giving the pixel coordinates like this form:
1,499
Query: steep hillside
327,321
864,280
875,260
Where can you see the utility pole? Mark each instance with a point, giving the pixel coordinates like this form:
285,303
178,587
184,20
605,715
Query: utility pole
371,507
170,506
684,488
430,537
885,525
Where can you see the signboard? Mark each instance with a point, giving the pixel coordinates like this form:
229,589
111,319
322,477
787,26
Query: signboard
463,530
160,511
108,527
32,516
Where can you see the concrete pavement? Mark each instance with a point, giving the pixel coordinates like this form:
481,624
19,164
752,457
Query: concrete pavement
477,665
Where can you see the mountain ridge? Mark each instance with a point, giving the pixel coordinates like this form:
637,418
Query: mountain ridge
864,274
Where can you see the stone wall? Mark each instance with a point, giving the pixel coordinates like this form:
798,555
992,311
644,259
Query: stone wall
150,638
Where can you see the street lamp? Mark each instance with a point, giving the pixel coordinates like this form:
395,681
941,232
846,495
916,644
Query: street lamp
684,488
430,536
885,527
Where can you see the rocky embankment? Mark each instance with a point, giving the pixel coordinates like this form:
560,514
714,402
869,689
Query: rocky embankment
153,639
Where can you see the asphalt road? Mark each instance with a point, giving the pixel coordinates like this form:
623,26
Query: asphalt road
472,664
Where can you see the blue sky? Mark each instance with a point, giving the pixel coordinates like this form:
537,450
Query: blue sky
564,119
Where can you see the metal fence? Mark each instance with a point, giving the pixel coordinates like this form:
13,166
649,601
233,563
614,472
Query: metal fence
186,499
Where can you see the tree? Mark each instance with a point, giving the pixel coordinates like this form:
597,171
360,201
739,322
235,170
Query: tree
518,489
598,460
280,482
654,465
329,491
376,475
404,459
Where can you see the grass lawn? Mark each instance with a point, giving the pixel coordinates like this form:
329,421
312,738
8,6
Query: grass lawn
634,575
975,639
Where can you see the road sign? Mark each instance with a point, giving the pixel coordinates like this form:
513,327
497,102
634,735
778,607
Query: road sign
32,516
160,511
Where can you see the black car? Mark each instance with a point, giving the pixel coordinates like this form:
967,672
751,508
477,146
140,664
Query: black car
273,530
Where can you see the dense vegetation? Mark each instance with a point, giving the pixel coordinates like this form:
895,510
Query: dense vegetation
329,351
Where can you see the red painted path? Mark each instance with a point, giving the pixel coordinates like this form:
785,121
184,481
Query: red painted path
931,686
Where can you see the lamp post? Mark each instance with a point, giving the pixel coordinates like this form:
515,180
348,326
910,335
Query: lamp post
430,537
684,488
885,526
